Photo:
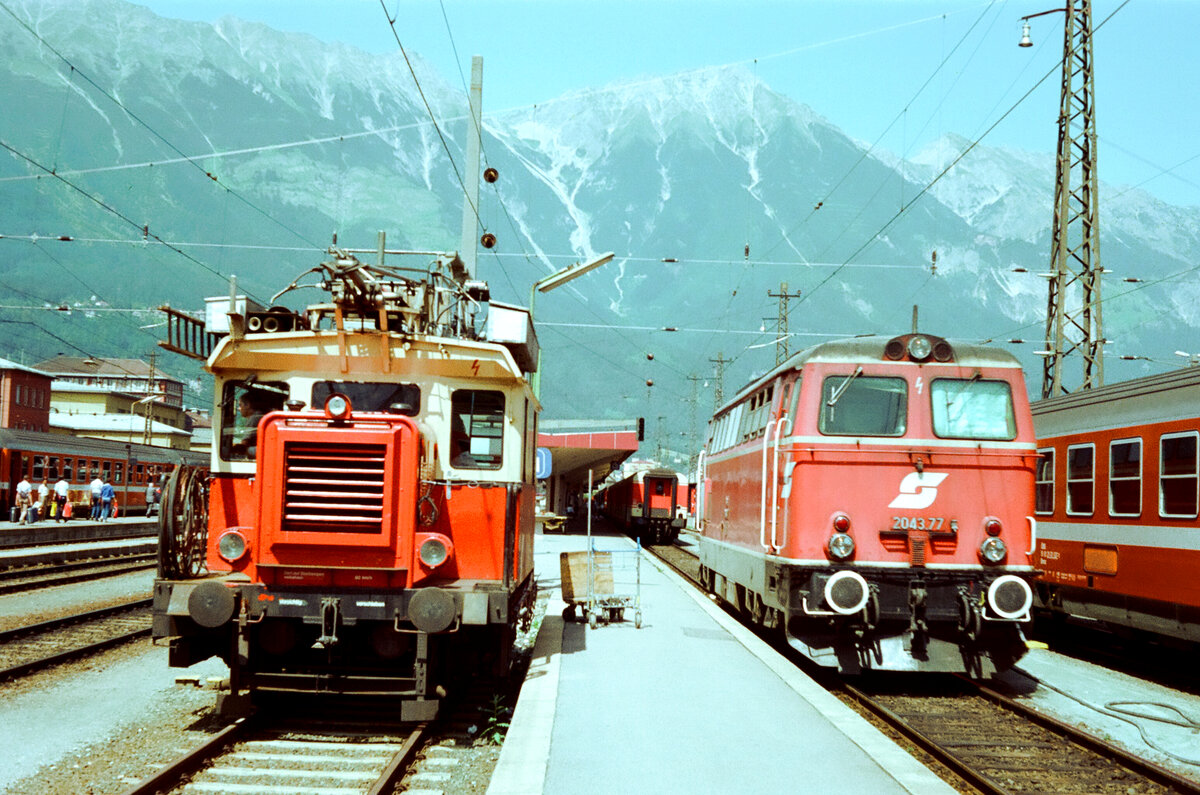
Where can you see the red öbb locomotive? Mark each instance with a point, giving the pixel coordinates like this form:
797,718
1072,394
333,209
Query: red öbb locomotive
1118,504
370,513
872,499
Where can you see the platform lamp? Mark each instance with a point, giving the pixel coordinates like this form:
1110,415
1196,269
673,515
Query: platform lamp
558,279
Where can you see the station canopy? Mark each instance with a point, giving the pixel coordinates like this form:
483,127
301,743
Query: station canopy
579,445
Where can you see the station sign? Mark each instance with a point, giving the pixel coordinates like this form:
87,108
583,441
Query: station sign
543,466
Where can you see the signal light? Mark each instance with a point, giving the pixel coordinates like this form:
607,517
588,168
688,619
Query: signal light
841,523
992,526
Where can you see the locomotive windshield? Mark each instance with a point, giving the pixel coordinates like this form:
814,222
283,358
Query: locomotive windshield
364,396
970,408
863,406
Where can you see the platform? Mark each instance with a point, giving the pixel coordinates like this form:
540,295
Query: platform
692,702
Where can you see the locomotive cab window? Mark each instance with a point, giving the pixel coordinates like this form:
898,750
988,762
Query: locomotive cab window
971,408
388,397
243,404
858,405
476,429
1179,477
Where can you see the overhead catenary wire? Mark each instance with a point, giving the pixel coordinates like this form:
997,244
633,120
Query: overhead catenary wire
128,112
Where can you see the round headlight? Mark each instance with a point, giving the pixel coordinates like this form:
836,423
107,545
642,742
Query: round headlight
919,348
433,552
992,526
841,546
993,550
841,523
232,545
337,407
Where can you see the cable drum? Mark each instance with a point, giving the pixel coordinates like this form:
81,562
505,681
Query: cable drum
183,525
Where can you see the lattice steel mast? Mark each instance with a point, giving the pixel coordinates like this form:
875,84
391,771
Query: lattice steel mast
1073,314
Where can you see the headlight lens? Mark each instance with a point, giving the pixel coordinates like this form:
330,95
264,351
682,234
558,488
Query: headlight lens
919,348
337,407
433,552
231,546
993,549
841,546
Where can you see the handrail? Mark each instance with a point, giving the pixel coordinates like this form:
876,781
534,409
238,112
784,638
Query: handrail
701,491
1032,535
762,509
779,431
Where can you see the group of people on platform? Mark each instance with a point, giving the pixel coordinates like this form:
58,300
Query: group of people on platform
103,495
53,502
57,504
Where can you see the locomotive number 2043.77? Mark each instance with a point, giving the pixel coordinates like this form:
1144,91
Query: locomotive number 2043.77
918,522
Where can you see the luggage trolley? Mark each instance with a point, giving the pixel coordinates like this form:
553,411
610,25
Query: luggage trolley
603,583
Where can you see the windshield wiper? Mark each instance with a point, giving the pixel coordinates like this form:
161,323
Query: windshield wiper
833,399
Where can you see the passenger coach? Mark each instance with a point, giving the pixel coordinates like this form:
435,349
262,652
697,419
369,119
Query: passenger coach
1118,504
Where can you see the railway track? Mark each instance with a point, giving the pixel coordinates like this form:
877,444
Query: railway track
31,578
336,746
312,755
983,740
36,646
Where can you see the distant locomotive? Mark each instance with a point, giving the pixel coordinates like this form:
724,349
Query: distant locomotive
1118,505
371,509
647,505
872,499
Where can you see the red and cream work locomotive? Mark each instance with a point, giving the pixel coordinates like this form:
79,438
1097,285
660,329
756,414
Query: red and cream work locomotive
370,512
872,499
1118,504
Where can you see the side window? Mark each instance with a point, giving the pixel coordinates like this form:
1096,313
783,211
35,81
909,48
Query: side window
243,405
476,429
1044,482
1081,479
1125,478
1178,476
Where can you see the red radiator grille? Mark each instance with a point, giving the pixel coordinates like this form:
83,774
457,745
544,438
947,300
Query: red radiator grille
336,489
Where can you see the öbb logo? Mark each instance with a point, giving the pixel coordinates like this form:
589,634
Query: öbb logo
918,490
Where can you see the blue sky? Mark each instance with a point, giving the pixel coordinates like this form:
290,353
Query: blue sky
897,72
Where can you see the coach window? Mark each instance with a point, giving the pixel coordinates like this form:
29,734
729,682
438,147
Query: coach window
1081,479
95,469
1125,478
39,467
858,405
68,469
106,471
476,429
118,473
1044,482
970,408
1178,476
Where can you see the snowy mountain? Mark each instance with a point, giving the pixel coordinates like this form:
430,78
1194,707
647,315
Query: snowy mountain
712,189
